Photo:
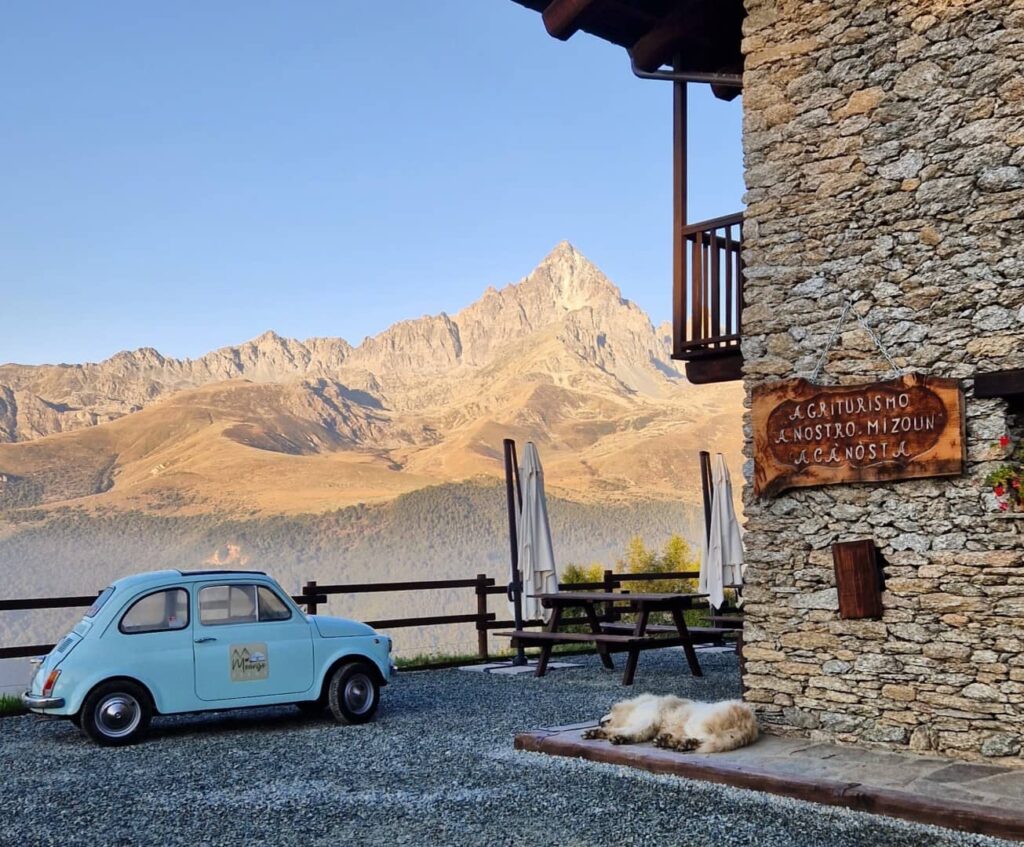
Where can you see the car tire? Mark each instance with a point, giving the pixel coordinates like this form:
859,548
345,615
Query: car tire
116,713
353,693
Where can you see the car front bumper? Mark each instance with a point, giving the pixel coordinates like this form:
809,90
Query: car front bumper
36,701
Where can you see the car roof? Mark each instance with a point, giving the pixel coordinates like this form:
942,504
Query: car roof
220,571
141,580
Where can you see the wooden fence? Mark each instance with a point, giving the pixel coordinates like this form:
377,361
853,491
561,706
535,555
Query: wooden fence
315,595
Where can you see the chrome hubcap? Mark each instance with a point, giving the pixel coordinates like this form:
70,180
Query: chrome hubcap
118,715
359,694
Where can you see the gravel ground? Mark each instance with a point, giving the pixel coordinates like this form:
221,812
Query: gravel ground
436,767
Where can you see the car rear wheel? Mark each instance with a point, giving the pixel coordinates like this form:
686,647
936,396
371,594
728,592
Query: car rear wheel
116,713
354,693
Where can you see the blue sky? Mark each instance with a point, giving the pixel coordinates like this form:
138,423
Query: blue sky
187,175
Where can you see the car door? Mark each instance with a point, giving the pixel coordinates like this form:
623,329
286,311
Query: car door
151,640
249,642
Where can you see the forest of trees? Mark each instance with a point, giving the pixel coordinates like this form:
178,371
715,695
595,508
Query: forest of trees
443,532
675,556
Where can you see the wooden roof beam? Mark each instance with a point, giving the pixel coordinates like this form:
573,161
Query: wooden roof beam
658,46
618,21
562,17
704,35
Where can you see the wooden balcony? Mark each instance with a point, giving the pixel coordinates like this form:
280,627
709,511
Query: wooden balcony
708,299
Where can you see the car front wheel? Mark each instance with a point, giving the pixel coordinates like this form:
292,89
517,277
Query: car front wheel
354,693
116,713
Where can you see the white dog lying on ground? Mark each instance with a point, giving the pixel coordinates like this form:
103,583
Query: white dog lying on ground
678,724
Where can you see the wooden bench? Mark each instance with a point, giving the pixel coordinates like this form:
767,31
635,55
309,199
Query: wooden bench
731,623
698,634
532,638
605,643
727,621
538,636
633,642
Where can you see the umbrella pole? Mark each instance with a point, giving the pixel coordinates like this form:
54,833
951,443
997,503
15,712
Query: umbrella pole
707,490
513,496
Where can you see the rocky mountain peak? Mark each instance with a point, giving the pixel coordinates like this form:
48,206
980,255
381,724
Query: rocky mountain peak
425,345
131,360
565,281
565,299
572,280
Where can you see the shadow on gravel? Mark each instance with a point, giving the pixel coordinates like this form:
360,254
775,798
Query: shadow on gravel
281,720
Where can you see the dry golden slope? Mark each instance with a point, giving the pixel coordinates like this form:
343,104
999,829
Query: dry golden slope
559,359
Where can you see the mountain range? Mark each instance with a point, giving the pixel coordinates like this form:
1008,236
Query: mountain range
280,426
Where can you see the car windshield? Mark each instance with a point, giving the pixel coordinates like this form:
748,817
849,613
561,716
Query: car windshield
98,602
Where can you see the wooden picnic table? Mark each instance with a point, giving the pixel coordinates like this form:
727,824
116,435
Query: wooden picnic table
606,643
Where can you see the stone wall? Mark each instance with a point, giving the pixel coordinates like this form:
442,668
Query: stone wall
884,145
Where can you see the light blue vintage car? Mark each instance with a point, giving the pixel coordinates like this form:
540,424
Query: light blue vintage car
173,641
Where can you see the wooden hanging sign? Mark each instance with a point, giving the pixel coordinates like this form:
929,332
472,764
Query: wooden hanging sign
807,434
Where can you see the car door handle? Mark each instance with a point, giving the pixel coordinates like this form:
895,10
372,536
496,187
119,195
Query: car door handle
206,639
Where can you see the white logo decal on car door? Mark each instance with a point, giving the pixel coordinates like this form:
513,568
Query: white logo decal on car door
249,662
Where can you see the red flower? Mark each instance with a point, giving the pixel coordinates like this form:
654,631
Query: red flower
1004,441
999,490
1003,507
1015,483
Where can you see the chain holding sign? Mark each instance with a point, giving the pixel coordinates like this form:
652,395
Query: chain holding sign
807,434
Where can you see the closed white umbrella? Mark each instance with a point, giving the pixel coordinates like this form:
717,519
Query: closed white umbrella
536,553
721,555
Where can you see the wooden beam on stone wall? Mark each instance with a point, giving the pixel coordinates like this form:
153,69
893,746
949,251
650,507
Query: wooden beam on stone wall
725,368
1008,384
726,92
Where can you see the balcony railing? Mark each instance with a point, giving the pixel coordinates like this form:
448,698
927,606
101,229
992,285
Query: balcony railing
709,298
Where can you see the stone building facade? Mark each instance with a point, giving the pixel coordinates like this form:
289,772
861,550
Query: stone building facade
884,161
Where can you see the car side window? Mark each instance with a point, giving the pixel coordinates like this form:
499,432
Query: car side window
272,607
158,612
98,603
227,604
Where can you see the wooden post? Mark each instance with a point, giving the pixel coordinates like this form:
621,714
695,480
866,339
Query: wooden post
610,614
481,612
309,590
514,497
707,490
679,300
